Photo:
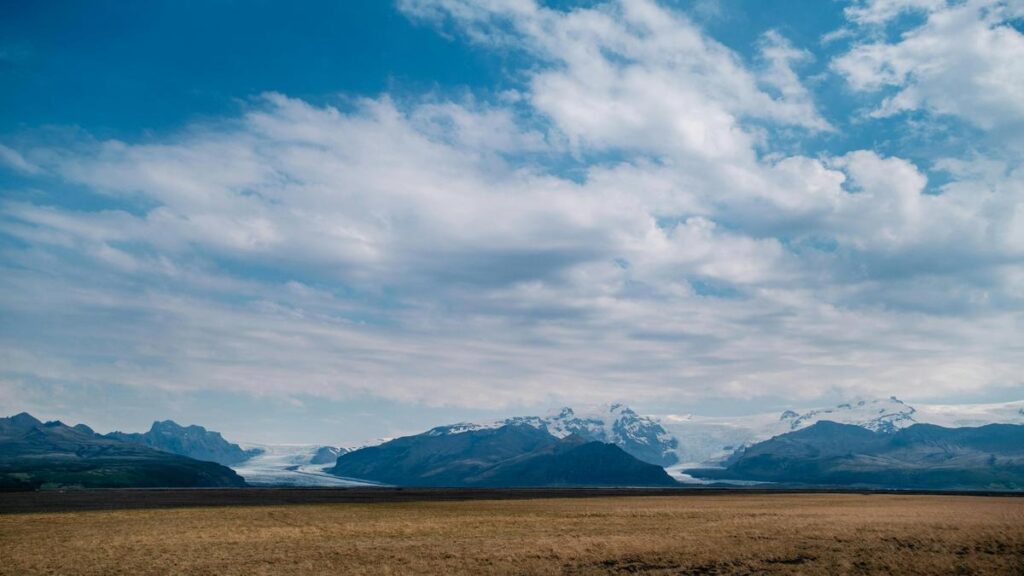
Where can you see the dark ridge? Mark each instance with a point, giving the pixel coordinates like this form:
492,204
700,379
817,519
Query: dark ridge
516,455
922,456
126,499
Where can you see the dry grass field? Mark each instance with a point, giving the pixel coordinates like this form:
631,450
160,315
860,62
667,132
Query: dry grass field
730,534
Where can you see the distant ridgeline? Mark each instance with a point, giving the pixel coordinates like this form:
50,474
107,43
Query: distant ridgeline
921,456
192,441
37,455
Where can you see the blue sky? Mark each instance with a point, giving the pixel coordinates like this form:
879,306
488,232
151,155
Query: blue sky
356,219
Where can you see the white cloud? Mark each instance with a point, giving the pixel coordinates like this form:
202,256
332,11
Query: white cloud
634,75
781,57
874,12
965,60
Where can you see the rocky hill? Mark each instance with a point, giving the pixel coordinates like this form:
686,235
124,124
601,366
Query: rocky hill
192,441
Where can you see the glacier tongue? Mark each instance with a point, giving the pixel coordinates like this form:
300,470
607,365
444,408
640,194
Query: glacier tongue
289,465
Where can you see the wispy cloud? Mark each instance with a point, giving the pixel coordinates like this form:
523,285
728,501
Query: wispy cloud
13,159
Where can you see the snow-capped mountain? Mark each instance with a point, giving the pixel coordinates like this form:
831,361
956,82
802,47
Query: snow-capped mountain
641,436
713,439
327,455
888,415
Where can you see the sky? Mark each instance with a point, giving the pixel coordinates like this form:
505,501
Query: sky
350,219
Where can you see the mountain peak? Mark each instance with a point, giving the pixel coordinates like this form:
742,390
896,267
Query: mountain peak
24,420
167,425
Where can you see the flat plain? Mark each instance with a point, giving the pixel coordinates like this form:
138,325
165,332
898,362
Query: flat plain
674,534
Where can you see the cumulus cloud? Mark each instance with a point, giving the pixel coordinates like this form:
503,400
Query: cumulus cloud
635,75
432,249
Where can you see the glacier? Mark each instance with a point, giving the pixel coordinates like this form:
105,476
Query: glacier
290,465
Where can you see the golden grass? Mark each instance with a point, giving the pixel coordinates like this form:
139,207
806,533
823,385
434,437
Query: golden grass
731,534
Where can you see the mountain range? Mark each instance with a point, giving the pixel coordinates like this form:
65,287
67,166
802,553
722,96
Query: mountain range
668,440
515,454
36,455
920,456
606,446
